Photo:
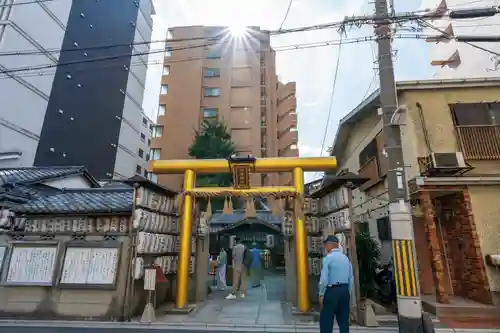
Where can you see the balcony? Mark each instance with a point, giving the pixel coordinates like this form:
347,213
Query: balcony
287,138
370,170
479,142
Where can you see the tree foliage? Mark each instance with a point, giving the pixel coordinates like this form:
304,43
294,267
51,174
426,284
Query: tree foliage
213,140
368,251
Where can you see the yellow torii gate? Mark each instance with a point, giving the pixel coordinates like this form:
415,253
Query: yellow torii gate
241,167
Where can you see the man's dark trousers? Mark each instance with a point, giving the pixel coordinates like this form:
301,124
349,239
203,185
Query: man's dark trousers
336,305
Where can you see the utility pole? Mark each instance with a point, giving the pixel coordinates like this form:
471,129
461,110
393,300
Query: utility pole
410,317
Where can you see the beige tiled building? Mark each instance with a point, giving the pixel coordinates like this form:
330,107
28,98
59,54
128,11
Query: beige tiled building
210,74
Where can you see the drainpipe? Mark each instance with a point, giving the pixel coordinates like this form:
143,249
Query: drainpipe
424,127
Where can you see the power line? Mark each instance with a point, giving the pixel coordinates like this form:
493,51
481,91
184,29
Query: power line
357,21
276,49
224,39
369,86
335,75
448,36
286,14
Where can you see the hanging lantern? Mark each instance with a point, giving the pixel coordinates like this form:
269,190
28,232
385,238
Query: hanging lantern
270,241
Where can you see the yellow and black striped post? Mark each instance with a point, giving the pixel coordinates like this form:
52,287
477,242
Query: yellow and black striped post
405,271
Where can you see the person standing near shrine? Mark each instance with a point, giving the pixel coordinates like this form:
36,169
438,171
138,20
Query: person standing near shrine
239,270
335,288
256,266
220,269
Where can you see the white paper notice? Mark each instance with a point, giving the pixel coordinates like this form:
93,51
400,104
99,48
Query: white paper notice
32,265
90,266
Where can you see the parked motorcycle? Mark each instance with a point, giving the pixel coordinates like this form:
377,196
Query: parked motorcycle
385,286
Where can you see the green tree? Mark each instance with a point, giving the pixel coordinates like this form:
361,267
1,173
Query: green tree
368,251
213,140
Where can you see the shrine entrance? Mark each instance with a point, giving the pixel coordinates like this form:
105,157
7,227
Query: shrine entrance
242,168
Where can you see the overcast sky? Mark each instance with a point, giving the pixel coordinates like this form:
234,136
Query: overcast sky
313,69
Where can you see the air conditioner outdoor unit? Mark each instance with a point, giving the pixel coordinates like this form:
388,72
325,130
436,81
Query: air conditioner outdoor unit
442,161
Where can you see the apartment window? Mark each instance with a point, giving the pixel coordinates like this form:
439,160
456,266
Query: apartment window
138,169
145,173
168,52
294,147
170,34
164,89
212,72
166,70
209,113
212,92
476,114
143,137
144,122
154,154
149,142
162,109
141,153
151,128
213,55
157,131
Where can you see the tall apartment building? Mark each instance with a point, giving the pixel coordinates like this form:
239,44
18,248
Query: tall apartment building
73,108
210,74
142,156
452,59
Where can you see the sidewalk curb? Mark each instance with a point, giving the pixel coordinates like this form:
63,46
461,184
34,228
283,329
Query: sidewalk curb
190,326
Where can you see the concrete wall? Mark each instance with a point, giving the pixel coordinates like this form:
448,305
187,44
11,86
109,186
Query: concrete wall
24,96
69,182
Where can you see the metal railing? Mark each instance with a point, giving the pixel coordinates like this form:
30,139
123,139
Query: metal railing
479,142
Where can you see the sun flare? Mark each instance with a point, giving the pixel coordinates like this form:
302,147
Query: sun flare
237,30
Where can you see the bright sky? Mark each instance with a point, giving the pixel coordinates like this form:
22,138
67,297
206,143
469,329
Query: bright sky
313,69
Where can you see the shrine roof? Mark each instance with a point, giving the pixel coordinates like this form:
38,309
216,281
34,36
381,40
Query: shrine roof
80,201
239,215
236,225
32,175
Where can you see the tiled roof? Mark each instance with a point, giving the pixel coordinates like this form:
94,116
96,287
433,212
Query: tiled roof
80,201
23,193
31,175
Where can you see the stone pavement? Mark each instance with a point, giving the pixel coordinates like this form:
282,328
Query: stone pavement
262,305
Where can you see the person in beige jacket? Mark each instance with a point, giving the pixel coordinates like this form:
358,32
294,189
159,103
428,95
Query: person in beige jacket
239,270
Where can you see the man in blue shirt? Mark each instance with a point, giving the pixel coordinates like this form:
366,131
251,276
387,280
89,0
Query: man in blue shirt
256,267
335,286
